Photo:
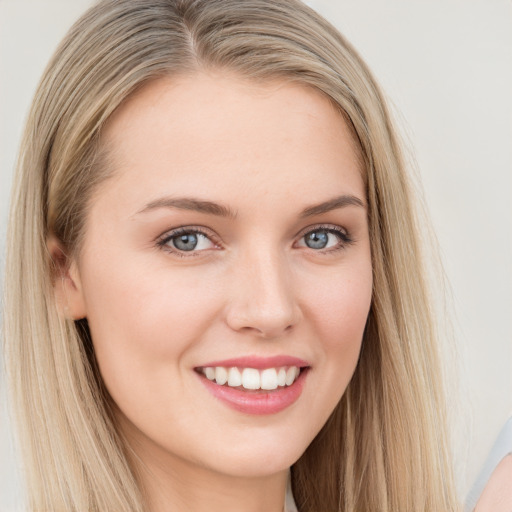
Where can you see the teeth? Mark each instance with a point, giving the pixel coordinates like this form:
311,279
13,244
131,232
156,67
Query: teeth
221,375
269,379
291,374
234,377
281,377
251,378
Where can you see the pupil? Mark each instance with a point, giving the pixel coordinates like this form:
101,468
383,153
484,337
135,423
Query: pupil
317,239
186,242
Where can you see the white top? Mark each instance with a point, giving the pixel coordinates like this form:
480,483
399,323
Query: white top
289,502
502,447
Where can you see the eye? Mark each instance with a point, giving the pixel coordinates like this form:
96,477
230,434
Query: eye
322,238
186,240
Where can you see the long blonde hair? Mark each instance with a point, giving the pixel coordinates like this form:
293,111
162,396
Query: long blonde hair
385,447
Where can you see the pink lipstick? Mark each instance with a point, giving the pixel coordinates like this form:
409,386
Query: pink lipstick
255,385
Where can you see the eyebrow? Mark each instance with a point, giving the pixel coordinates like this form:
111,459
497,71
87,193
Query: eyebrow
332,204
189,203
211,208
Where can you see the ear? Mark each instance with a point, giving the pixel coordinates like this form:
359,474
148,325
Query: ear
66,281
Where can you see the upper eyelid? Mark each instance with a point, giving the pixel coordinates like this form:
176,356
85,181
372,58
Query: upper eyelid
208,232
327,227
169,233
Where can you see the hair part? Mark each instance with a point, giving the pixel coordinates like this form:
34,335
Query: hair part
384,447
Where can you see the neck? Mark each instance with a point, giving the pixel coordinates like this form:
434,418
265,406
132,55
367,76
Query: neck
173,483
207,491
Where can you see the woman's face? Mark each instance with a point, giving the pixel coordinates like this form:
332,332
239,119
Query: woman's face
231,243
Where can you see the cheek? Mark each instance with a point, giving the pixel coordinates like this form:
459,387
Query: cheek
141,316
340,311
341,307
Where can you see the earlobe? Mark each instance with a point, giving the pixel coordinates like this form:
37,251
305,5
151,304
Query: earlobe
67,285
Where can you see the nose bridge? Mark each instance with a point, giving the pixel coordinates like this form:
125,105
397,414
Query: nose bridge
263,299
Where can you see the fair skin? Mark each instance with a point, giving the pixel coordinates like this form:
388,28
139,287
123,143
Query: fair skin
279,265
497,495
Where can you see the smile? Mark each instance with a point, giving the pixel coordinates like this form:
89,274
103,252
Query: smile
255,385
251,378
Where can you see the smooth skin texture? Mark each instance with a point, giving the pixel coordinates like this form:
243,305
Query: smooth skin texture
497,495
265,154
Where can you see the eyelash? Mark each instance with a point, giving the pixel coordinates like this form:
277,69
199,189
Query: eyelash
164,240
345,240
344,237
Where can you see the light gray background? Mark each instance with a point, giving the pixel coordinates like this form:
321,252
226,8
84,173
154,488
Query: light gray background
446,65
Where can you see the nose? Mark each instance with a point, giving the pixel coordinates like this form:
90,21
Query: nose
263,299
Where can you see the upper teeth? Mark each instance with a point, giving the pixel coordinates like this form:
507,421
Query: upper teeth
250,378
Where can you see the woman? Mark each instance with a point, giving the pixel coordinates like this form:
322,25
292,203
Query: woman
213,207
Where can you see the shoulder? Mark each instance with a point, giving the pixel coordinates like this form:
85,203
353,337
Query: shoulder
497,495
492,492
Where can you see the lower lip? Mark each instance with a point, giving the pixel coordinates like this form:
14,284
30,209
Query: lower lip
257,402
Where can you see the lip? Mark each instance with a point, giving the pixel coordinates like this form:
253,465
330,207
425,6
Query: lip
258,402
259,363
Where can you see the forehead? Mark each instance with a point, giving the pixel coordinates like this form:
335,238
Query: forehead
206,131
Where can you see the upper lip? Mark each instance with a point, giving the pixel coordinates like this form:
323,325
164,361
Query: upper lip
258,362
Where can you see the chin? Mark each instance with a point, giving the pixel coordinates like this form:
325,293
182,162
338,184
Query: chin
257,460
